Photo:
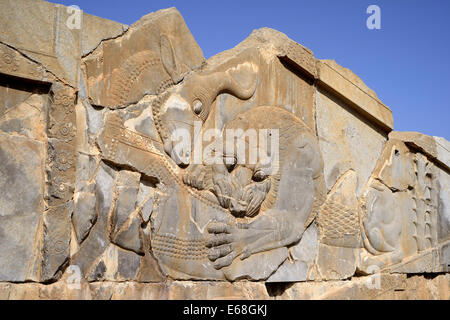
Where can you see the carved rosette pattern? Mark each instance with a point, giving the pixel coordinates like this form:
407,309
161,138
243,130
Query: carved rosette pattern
12,62
60,180
8,61
61,147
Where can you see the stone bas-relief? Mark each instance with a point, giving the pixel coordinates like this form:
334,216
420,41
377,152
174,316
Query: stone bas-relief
133,162
405,182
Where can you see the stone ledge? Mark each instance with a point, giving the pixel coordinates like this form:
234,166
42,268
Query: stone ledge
359,97
331,76
375,287
51,47
436,148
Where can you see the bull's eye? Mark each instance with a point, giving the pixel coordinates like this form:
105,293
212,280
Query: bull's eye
230,162
197,106
259,175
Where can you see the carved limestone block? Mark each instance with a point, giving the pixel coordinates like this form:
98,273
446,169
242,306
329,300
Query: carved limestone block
22,204
152,55
401,217
56,240
132,167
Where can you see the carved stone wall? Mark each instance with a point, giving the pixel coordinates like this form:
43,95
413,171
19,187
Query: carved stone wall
102,198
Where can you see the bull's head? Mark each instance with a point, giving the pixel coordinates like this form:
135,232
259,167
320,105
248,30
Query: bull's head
191,101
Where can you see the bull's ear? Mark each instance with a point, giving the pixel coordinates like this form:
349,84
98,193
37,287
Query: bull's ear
169,59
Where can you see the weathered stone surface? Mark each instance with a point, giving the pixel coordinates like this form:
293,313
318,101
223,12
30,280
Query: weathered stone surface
61,36
127,188
131,167
350,87
128,236
146,199
284,71
51,44
21,205
84,214
14,63
436,148
338,219
443,151
56,240
24,118
94,245
385,287
346,140
302,258
417,140
382,287
444,204
334,263
116,264
402,228
97,30
153,53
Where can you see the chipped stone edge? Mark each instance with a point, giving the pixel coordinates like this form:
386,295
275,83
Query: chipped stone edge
435,148
331,80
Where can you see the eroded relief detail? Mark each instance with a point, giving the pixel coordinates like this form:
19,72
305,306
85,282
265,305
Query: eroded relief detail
338,220
158,167
401,209
60,168
213,215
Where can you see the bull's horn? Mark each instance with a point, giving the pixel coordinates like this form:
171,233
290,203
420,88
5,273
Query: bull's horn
245,71
203,89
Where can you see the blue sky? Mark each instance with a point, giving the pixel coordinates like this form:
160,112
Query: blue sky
407,62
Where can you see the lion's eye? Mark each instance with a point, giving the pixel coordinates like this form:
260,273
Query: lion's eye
197,106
